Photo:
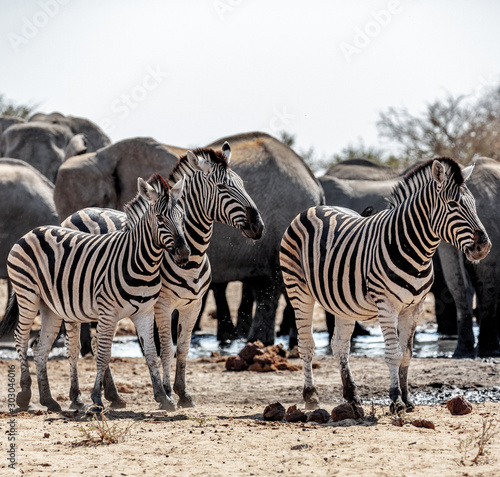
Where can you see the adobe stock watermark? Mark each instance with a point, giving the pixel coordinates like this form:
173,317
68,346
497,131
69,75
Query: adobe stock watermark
11,423
279,122
129,101
30,27
363,37
223,7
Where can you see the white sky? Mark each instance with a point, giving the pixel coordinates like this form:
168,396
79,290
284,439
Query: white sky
195,71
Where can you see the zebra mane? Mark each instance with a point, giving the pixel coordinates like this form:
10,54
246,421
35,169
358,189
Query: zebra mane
416,177
207,153
138,206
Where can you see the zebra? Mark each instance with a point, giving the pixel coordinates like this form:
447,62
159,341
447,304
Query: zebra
214,192
361,268
80,277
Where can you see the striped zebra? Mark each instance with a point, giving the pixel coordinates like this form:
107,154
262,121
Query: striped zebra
380,266
80,277
214,192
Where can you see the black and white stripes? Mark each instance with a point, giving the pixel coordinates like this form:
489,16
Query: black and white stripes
378,267
80,277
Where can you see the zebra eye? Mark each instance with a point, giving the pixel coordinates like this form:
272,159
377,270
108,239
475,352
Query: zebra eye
161,219
453,204
222,187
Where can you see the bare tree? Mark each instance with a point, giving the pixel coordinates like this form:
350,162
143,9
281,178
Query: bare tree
460,127
8,108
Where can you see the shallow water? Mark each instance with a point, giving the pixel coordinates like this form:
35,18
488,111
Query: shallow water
427,344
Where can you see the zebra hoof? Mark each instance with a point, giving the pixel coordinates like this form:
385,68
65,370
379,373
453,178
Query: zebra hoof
167,405
77,404
186,401
23,399
118,404
311,398
95,409
51,404
410,405
397,407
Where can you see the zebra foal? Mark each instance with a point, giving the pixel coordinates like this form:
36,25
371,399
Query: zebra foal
81,277
378,267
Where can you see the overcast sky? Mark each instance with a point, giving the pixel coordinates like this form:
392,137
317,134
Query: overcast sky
189,72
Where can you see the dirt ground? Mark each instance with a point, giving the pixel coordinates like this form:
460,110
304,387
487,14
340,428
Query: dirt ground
226,434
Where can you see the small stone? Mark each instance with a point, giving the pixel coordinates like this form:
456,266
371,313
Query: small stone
459,406
398,422
295,415
274,412
320,416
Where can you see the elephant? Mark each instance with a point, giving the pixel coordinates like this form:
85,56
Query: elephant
108,178
27,201
7,122
279,181
361,169
358,194
44,143
483,278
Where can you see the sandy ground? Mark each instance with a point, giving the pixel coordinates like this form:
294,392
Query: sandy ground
226,434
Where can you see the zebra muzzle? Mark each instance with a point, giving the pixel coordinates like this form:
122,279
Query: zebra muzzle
480,247
253,227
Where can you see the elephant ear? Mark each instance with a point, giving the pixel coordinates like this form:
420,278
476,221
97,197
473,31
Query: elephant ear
467,171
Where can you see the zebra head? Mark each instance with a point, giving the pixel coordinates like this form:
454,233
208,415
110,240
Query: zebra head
227,200
168,217
456,219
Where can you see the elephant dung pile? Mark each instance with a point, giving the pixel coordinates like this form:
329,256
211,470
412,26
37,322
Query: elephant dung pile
257,357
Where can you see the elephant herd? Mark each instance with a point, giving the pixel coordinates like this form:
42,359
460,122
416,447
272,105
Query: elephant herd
53,165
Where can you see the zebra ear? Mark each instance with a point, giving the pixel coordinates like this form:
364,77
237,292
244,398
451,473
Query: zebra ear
176,191
146,191
226,152
199,163
467,171
438,172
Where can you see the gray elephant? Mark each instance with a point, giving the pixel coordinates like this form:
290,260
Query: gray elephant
361,169
45,143
7,122
27,202
108,177
483,277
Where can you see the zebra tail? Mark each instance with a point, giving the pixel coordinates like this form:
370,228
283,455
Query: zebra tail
11,318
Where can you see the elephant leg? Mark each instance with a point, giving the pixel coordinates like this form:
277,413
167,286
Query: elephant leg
267,293
458,283
245,310
225,328
85,338
487,297
445,308
51,324
73,347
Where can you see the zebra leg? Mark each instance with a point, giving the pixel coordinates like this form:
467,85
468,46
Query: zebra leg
51,324
407,324
388,318
144,325
303,306
187,320
110,390
73,347
28,309
163,318
341,345
106,328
